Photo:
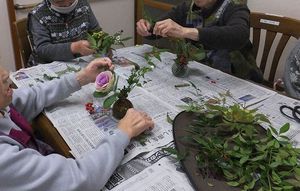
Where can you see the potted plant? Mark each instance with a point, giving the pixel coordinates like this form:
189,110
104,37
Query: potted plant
185,52
119,99
102,42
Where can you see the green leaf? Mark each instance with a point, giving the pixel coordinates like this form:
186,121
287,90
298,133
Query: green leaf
275,164
276,188
169,120
287,187
157,56
284,128
210,184
228,175
242,139
244,159
275,177
285,137
273,130
173,151
199,56
201,141
252,184
109,101
91,40
99,94
258,158
270,143
233,183
294,182
276,144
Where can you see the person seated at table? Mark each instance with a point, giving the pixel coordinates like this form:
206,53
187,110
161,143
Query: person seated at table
58,30
291,75
28,164
220,26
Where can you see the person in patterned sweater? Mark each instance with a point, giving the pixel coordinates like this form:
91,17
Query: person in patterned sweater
58,28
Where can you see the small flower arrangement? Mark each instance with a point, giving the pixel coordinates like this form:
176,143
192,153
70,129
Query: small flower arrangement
185,52
102,42
104,83
119,99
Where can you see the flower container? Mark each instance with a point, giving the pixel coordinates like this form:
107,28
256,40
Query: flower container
180,70
120,107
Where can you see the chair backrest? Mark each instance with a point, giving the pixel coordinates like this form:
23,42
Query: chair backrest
274,26
23,40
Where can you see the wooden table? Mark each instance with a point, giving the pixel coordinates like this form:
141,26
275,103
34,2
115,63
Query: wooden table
45,130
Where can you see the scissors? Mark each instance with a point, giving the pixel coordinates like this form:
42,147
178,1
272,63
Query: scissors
295,112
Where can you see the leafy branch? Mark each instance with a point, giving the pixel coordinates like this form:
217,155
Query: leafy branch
132,81
186,52
155,52
102,42
60,73
232,144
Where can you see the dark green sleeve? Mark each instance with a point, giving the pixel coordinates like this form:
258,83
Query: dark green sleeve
231,33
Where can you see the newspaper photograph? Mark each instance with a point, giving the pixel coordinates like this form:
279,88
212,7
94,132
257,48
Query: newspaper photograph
143,169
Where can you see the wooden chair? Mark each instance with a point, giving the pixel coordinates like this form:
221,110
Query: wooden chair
24,45
274,26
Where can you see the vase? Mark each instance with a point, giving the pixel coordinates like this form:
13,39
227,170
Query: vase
120,107
179,70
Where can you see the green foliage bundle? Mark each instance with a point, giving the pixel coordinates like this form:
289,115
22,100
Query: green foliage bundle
155,52
232,144
132,81
102,42
186,52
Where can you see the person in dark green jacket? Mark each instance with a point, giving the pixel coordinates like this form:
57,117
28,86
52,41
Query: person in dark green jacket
220,26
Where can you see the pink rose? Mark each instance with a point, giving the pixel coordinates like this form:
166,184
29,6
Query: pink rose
104,81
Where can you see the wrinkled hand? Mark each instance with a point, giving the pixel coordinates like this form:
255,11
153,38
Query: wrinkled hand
143,27
168,28
81,47
89,73
135,123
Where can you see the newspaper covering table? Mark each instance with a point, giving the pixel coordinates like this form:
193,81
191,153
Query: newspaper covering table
159,97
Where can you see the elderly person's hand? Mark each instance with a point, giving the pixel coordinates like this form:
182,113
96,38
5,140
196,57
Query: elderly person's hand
169,28
89,73
135,123
143,27
81,47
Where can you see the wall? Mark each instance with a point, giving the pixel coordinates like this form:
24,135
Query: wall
6,51
113,15
288,8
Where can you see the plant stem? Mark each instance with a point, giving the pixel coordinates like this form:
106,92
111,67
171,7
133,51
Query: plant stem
268,174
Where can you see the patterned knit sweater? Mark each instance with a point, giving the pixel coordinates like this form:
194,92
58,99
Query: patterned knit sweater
51,33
